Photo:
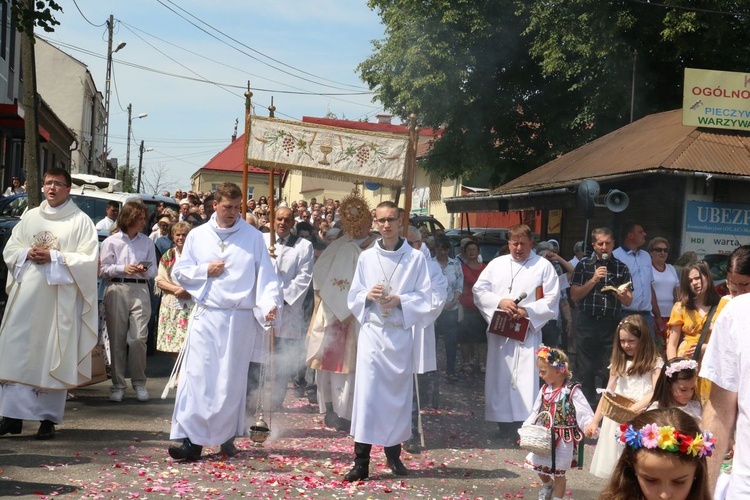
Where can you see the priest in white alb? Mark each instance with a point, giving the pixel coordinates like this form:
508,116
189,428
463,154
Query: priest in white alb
390,293
51,317
293,262
226,269
512,381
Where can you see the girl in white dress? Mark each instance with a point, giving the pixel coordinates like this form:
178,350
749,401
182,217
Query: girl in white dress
676,387
571,412
633,372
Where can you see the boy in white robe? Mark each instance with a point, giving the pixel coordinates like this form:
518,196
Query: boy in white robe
511,382
51,320
425,344
390,293
226,268
332,337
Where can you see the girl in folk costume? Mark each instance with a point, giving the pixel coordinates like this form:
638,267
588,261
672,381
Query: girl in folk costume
665,457
676,387
571,413
634,369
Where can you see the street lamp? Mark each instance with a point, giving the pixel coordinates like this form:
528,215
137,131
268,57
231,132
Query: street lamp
127,153
110,29
140,166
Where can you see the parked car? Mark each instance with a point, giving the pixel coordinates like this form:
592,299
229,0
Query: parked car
718,263
431,223
13,205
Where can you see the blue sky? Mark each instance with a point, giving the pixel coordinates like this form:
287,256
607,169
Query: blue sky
188,121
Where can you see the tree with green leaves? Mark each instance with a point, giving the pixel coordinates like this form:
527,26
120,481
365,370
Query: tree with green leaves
516,83
28,14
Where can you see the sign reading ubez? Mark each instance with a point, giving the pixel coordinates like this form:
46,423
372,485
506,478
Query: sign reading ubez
716,99
329,152
715,227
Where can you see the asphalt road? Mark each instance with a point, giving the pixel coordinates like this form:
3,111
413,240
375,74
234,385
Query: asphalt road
110,450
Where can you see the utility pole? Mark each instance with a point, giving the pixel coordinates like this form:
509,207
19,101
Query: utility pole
126,172
110,33
140,167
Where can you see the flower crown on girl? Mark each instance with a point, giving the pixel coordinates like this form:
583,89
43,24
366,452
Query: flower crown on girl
684,364
552,357
667,438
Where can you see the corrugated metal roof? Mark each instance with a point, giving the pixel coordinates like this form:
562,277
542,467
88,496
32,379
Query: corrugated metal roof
656,142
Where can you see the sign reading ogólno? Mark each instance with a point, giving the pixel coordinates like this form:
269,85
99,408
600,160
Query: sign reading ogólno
716,99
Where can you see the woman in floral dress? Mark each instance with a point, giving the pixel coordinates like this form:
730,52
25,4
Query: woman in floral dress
176,303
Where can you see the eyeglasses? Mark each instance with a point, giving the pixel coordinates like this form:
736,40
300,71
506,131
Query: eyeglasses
54,183
389,220
660,250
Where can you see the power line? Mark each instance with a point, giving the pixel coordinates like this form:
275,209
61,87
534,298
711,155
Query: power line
203,80
257,51
86,19
245,53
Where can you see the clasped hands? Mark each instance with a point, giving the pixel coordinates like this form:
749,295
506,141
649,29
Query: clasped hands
513,309
134,269
39,255
388,302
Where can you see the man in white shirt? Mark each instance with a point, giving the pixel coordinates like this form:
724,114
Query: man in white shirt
639,265
293,263
112,211
48,334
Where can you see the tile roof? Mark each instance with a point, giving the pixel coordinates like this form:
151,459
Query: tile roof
231,159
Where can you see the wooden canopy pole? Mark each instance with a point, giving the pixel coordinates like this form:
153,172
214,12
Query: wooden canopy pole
411,160
248,99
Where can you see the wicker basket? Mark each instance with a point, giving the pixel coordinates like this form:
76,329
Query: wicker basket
536,438
617,407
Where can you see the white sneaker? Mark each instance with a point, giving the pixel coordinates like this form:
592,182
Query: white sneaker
545,493
141,393
116,395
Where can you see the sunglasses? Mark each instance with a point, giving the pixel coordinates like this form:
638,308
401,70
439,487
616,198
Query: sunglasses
660,250
389,220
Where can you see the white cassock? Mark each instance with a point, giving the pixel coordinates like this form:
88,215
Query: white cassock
294,266
512,381
332,337
225,332
51,317
425,344
383,387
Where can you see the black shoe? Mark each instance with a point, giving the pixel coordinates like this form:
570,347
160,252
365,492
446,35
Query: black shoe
331,419
188,451
397,467
228,448
46,430
360,471
343,425
413,446
10,426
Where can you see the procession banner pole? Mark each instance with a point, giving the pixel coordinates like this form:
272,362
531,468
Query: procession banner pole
248,99
411,160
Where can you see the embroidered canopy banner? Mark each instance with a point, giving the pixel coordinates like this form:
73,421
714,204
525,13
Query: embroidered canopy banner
331,152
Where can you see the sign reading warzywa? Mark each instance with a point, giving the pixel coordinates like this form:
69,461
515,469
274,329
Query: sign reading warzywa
716,99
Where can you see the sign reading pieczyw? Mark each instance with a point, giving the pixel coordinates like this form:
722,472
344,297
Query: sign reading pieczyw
716,99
